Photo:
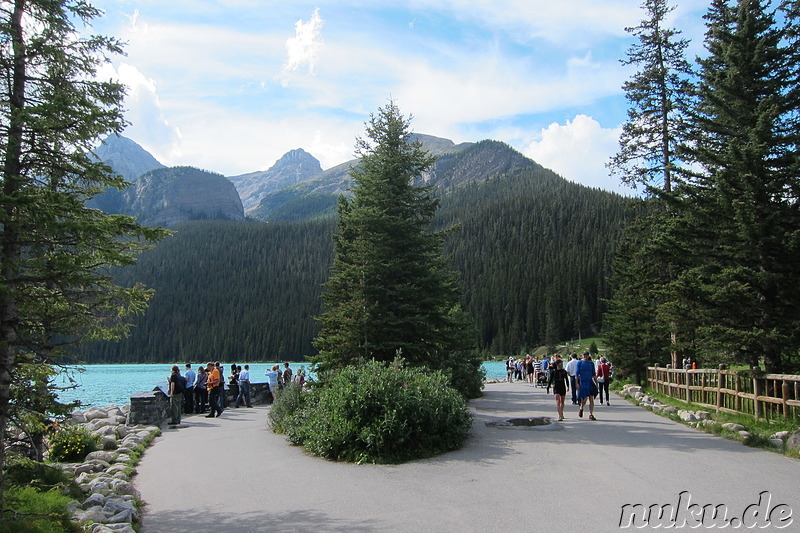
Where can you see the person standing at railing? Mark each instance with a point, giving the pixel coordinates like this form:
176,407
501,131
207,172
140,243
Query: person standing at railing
244,387
188,394
177,384
200,391
214,386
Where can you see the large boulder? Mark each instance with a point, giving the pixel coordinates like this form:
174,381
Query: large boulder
793,442
733,427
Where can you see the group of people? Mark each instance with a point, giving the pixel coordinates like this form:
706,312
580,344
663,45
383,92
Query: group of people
586,379
197,392
277,379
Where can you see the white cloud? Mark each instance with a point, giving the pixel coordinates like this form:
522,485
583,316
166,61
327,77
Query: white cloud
303,47
573,24
243,94
578,151
148,125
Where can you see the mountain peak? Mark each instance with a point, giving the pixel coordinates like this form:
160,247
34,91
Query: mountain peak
294,166
126,157
298,156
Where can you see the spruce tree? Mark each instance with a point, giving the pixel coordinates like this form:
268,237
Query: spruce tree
739,208
390,292
54,290
632,328
657,94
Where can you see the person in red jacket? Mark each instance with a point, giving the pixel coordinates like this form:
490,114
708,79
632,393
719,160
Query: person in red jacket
603,379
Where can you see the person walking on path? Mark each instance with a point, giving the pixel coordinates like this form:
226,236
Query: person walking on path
559,380
244,387
213,386
603,379
571,369
587,384
177,384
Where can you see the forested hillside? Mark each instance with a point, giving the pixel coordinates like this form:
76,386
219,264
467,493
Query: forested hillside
532,249
534,252
227,290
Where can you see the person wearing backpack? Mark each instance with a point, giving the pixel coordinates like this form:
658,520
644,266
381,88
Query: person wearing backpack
177,384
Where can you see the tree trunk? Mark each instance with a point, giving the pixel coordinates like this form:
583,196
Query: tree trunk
11,251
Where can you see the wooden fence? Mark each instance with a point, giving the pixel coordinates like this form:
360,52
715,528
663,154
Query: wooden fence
763,396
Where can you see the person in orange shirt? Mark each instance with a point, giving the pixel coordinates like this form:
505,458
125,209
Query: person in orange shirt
213,385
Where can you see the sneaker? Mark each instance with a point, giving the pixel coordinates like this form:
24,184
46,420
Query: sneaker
608,403
580,412
210,415
591,417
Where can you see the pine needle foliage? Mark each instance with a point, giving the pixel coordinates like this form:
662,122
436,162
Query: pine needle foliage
390,292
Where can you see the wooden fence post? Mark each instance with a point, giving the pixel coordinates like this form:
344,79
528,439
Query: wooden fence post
720,377
785,394
703,393
687,377
738,400
756,393
656,379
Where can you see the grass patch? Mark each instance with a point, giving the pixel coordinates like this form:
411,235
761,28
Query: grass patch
30,510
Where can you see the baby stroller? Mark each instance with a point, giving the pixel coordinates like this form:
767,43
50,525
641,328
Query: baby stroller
541,379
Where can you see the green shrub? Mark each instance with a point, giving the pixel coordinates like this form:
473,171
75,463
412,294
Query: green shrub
466,374
28,510
377,413
42,476
288,410
71,443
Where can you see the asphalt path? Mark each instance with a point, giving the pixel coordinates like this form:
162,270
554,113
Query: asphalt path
232,474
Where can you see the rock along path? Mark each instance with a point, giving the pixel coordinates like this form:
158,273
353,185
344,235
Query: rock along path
233,474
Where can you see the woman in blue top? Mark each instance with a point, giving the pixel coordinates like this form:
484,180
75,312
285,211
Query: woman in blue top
587,384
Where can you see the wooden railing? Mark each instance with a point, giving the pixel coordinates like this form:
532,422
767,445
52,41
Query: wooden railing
763,396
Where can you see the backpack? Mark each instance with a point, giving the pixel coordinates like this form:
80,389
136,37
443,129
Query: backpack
180,385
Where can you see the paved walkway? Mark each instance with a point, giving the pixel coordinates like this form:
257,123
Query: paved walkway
232,474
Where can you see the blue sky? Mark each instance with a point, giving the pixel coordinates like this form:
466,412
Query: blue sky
231,85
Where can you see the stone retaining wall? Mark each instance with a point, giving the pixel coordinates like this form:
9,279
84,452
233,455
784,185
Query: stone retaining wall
151,408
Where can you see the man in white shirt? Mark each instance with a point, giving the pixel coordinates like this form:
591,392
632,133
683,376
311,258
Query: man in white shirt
188,394
244,387
571,369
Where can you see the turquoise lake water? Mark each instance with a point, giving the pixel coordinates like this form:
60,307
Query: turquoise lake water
101,385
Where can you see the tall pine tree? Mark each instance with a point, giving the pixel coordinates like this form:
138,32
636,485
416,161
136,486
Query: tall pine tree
739,209
53,249
657,93
390,292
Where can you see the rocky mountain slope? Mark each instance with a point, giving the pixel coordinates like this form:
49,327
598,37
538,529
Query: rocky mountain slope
295,166
162,196
126,157
316,195
169,196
